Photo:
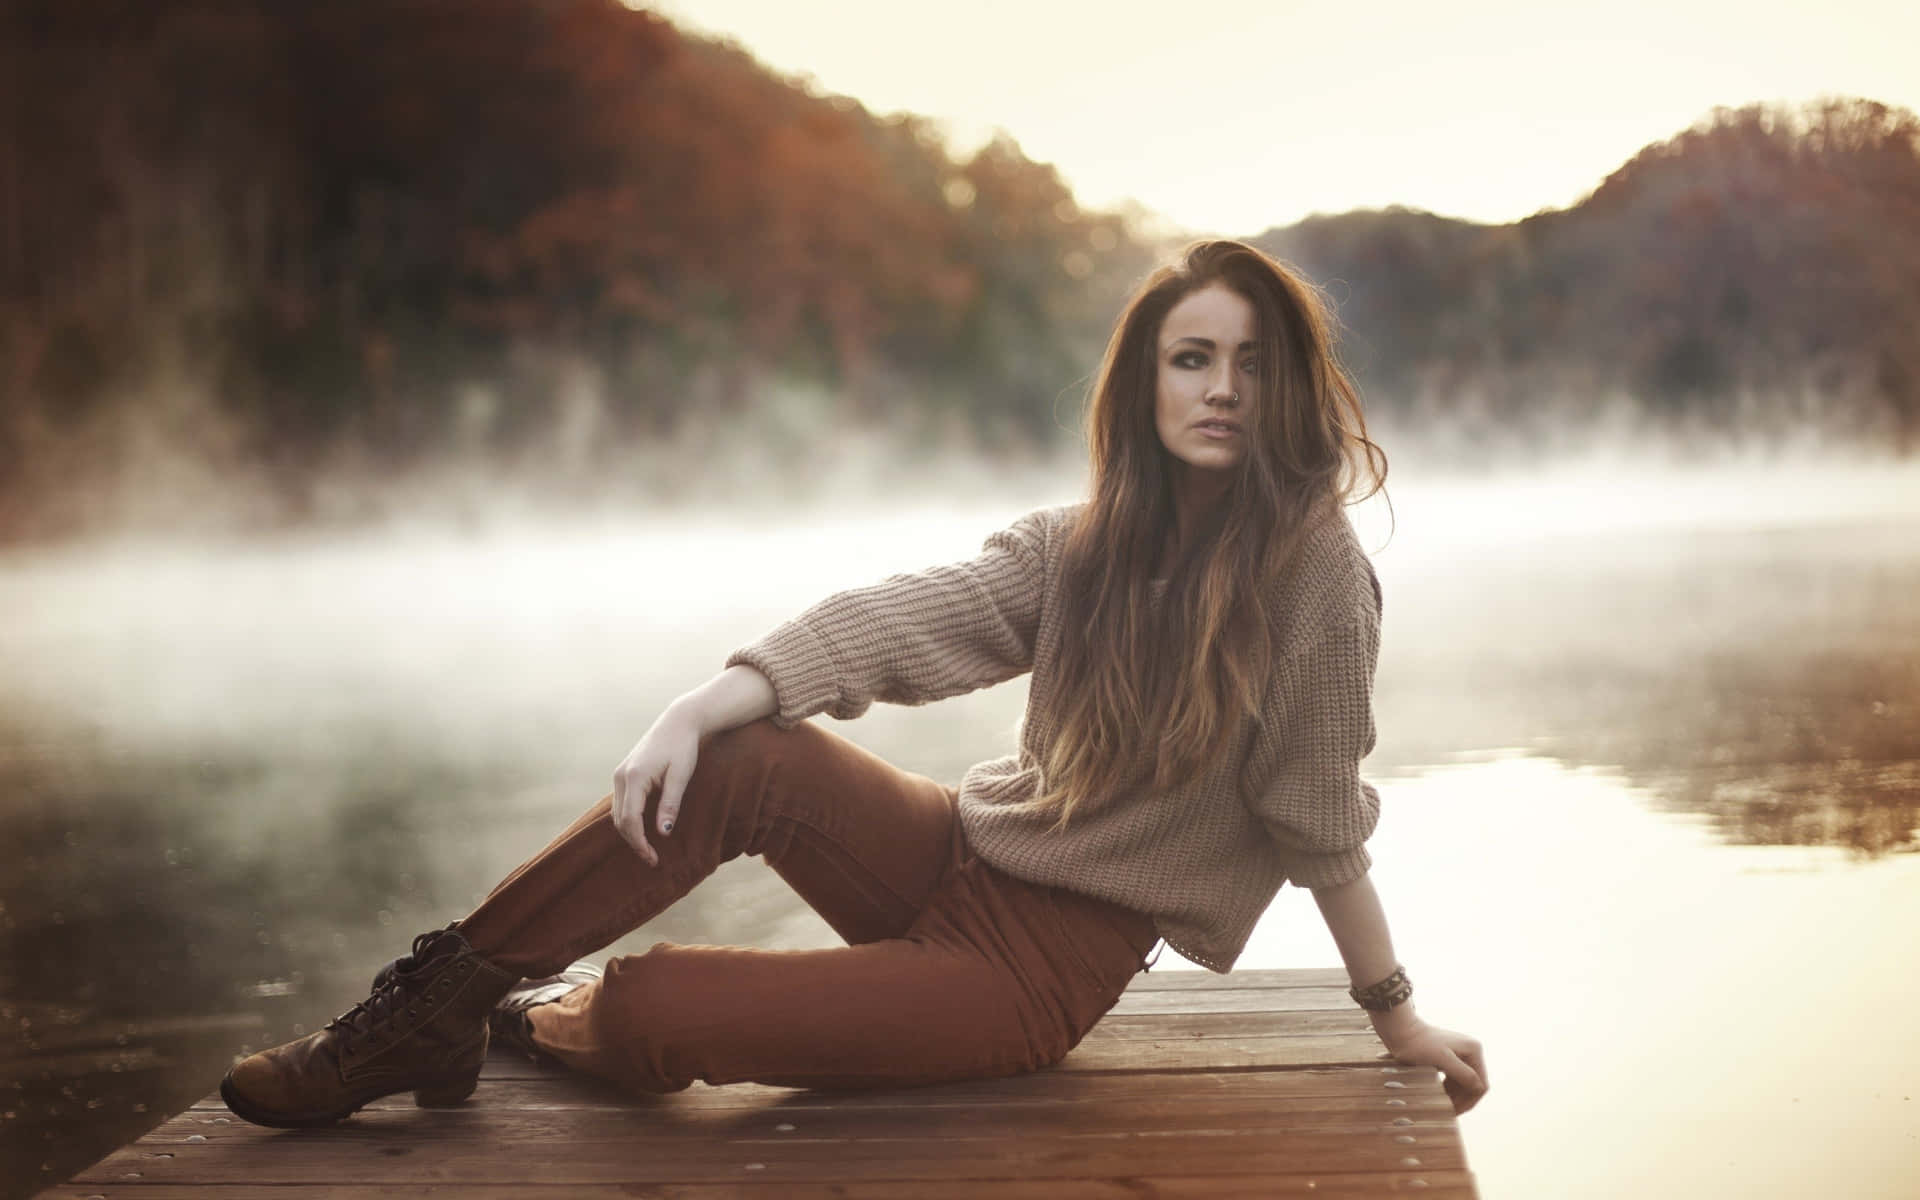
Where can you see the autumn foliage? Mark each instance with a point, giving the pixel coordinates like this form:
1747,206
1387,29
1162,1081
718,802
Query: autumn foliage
298,243
388,230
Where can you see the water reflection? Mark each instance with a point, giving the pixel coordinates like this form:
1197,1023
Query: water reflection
1766,679
1713,1019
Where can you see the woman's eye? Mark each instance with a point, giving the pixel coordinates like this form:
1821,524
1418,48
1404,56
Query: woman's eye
1189,358
1251,366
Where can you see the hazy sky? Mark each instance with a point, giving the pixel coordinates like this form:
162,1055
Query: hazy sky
1229,116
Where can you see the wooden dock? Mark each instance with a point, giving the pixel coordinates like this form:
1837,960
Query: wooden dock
1260,1083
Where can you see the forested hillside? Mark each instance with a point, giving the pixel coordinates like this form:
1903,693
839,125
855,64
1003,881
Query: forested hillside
388,231
1753,278
291,244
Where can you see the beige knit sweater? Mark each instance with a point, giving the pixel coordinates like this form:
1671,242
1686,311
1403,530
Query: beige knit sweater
1285,801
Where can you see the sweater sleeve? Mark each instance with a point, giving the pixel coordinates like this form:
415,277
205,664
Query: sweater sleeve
911,638
1317,727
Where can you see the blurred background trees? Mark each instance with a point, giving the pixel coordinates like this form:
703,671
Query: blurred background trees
1754,278
292,237
289,243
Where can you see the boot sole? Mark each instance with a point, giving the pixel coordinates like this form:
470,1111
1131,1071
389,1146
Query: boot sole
433,1093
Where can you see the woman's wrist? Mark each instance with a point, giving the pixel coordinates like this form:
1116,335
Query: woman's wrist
1384,993
734,697
1397,1024
688,707
1388,1003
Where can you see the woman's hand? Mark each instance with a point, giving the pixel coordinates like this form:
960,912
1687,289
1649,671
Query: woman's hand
1455,1055
662,759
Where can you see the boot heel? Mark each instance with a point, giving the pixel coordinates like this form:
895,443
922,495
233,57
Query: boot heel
443,1095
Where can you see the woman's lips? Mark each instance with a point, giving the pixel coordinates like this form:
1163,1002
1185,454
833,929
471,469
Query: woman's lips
1218,431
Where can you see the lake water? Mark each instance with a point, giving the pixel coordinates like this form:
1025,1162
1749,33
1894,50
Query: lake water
1650,762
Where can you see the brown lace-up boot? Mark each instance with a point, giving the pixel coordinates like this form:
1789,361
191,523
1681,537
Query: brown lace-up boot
424,1029
507,1024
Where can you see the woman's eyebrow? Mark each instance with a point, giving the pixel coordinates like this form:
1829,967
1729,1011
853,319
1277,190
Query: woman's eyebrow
1207,342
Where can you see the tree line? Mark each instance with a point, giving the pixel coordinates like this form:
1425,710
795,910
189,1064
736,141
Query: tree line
387,233
383,231
1756,276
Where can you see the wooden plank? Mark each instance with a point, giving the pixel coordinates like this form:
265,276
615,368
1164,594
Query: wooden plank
1255,1088
1190,1041
1341,1124
1156,1117
1252,1052
1184,980
509,1096
402,1151
1131,1027
1194,1000
1134,1026
1139,1050
1416,1106
1452,1184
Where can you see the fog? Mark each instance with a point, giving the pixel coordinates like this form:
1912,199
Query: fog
477,628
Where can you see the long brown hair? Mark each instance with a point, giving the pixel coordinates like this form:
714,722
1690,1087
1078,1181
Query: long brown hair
1166,687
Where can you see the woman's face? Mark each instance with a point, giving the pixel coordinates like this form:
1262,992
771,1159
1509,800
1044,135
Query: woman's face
1204,384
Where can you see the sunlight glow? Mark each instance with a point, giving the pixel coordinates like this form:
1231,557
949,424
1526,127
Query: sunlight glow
1231,116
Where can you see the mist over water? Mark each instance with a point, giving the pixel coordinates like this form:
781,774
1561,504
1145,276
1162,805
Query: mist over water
239,775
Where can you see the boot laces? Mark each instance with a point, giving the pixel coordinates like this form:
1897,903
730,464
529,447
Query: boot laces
365,1018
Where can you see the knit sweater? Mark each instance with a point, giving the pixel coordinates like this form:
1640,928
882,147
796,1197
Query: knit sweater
1204,859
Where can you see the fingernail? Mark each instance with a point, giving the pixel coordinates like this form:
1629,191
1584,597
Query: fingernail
666,827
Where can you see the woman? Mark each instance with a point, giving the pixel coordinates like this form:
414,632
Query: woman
1201,634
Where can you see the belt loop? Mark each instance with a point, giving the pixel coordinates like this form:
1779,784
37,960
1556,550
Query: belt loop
1154,956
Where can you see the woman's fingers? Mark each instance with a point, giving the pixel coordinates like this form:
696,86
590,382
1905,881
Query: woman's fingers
1457,1093
1464,1084
1477,1059
1456,1056
1456,1068
630,811
671,790
634,829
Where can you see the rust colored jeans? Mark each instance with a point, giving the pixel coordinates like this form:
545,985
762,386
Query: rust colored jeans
952,970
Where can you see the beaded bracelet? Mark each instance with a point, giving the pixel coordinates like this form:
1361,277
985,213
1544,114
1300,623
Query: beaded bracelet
1394,990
